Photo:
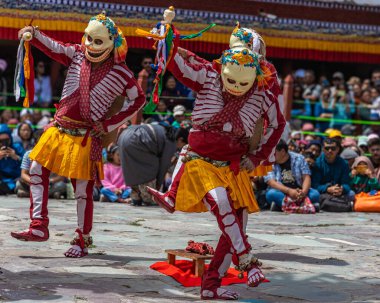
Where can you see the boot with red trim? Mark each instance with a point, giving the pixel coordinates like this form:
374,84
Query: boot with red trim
80,245
162,199
37,232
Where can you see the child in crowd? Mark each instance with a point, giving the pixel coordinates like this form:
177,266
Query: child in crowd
363,176
162,108
114,189
57,184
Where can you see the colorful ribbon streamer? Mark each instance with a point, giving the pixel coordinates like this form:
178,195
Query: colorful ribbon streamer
24,74
164,48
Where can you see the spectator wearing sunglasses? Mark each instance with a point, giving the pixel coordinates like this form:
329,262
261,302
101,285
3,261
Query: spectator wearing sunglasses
146,76
331,172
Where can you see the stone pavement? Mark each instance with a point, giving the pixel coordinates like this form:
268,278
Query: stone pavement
325,257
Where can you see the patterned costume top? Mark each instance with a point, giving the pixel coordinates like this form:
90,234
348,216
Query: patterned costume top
223,125
102,85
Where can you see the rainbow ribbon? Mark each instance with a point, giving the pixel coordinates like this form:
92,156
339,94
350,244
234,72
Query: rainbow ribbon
24,74
165,50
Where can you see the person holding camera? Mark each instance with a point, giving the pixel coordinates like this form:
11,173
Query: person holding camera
10,159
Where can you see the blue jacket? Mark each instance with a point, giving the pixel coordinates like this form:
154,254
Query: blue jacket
9,168
326,174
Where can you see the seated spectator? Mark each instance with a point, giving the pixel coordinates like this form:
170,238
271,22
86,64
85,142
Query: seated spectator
10,160
314,147
42,86
5,116
114,188
363,178
363,144
179,115
160,117
308,127
324,109
170,94
291,177
26,115
310,159
349,142
41,118
25,135
331,172
349,155
374,149
337,135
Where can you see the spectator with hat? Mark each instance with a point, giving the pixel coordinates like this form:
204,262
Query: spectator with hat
349,155
363,178
363,144
179,115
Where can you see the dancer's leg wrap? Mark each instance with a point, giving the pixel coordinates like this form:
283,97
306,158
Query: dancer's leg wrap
83,193
39,194
177,174
232,241
220,205
85,206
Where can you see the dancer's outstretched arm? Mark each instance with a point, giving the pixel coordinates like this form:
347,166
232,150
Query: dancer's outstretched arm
193,75
58,51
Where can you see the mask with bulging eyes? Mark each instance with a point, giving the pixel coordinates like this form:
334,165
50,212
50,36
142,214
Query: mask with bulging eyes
98,41
239,70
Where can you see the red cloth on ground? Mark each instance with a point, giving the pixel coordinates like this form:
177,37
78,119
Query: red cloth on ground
181,272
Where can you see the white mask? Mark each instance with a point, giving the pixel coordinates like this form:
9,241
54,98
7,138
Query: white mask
98,41
239,68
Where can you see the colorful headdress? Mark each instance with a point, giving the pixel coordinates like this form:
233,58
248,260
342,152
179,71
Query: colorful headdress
247,37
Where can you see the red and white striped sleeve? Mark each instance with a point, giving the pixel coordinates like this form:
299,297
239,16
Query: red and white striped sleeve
58,51
191,75
264,154
134,98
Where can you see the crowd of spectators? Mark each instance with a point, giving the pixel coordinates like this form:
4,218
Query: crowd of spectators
330,150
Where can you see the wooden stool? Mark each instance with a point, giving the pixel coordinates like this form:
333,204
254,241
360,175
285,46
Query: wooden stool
198,260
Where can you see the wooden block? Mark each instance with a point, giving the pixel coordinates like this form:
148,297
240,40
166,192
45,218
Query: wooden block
189,255
171,259
198,260
199,267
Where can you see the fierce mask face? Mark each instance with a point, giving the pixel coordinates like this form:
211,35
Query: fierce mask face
239,69
98,41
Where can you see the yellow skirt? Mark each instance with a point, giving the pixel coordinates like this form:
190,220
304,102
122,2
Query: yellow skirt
64,155
200,177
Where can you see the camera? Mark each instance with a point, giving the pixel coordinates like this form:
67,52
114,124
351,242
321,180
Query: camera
4,144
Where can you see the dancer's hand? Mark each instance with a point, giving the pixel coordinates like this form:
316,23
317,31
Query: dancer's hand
246,163
98,130
26,29
182,52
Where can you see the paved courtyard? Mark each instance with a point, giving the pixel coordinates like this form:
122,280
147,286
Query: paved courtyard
325,257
